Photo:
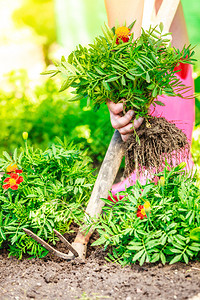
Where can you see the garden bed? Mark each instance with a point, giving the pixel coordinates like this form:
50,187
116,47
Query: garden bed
53,278
174,195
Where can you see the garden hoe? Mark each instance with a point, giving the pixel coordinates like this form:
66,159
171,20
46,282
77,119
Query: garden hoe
113,157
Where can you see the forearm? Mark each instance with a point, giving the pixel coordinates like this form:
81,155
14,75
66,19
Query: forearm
179,30
125,10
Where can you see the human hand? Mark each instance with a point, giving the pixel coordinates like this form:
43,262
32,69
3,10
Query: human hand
123,122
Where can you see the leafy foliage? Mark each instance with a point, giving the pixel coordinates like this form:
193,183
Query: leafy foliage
55,189
45,114
137,70
170,230
196,151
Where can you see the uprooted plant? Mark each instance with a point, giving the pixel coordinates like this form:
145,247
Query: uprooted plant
158,221
118,67
42,190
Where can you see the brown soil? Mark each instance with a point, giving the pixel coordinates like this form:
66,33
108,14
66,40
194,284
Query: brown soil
158,140
53,278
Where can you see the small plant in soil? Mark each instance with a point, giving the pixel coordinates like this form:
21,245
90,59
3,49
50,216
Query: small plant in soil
41,190
158,221
133,71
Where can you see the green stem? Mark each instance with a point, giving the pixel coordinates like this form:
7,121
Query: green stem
26,147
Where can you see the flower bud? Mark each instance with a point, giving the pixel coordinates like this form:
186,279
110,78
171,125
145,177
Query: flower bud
25,135
162,181
147,206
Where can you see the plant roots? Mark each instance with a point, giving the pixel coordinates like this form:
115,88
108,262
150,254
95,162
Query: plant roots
159,140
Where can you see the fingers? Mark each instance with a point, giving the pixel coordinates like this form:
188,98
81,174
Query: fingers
138,122
118,122
131,126
124,123
125,137
126,129
115,108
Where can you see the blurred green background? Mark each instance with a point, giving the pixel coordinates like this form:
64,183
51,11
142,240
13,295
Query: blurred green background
33,32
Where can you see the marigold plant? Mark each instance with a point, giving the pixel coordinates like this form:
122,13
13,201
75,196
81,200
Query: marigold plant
52,192
153,222
135,69
118,67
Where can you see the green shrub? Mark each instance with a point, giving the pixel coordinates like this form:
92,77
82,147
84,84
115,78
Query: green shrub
154,221
45,114
55,189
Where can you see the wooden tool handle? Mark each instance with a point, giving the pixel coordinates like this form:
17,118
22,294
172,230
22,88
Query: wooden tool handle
165,14
107,175
104,182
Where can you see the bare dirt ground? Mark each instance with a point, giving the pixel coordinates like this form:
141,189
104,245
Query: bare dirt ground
53,278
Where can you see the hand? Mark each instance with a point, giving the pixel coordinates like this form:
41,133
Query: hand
123,123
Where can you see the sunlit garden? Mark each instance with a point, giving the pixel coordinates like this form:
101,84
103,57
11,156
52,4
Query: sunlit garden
63,165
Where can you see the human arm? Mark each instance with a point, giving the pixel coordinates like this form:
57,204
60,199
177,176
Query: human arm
125,10
120,11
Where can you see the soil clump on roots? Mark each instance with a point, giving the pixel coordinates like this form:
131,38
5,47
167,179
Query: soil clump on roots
159,140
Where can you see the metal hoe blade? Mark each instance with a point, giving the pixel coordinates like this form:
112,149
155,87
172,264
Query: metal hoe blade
50,248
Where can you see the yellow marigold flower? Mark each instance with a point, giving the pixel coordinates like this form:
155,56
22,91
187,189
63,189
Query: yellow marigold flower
11,168
147,206
122,32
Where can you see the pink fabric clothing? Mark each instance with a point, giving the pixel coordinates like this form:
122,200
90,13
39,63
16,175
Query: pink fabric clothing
180,111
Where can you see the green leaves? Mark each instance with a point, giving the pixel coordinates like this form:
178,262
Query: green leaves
154,93
113,78
169,234
195,234
106,85
66,84
148,77
176,259
56,186
125,70
131,25
159,103
161,26
108,33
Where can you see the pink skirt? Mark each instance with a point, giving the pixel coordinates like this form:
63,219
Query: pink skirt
180,111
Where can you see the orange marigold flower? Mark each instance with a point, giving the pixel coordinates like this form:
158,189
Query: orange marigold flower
12,182
123,34
141,212
12,168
